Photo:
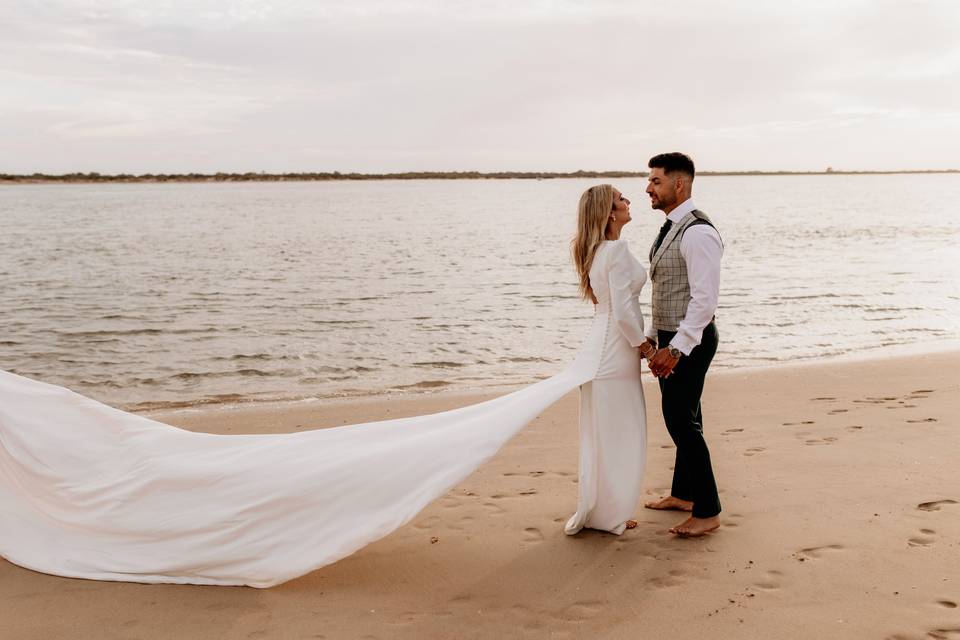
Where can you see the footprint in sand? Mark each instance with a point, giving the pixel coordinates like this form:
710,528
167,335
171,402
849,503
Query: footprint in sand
734,517
538,474
952,633
816,553
671,579
753,451
935,505
493,508
855,427
922,420
947,604
578,611
771,581
449,502
836,411
818,441
925,539
823,398
733,430
532,534
466,522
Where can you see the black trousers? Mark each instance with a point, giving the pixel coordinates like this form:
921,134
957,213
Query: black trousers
680,400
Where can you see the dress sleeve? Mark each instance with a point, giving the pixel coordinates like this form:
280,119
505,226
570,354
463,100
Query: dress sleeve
624,304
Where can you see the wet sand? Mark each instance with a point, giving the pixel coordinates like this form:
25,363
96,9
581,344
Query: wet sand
841,493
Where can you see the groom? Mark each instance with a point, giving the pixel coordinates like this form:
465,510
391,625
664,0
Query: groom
685,271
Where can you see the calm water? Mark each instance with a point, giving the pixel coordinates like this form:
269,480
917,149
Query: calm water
156,295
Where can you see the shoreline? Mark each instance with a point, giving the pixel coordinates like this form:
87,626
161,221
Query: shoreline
494,390
490,559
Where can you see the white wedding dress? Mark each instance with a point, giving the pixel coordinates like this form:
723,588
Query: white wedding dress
89,491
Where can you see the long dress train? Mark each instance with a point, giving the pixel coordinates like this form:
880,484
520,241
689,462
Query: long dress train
90,491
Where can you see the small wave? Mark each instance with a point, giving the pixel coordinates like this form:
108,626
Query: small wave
442,364
815,296
249,356
131,332
425,384
194,375
121,332
160,405
330,369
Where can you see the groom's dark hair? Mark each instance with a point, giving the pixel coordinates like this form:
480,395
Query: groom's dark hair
674,161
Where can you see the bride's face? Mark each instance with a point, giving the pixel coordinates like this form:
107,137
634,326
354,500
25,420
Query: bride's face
621,207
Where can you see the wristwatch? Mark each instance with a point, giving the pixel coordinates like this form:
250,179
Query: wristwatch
674,352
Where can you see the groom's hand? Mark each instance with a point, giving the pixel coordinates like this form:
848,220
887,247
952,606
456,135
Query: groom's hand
662,363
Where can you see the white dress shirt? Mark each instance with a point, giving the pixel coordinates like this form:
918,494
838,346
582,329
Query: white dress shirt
701,249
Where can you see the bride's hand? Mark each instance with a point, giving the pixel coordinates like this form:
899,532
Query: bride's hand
647,350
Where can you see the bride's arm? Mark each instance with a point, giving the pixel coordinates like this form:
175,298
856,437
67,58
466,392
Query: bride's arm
625,305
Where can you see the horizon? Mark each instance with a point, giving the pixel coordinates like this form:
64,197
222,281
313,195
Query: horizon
376,86
467,174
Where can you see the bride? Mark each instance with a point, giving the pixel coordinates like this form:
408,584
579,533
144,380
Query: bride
612,413
90,491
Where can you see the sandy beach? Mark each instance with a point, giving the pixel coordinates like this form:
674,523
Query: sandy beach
841,519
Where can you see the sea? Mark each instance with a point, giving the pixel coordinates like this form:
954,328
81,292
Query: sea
153,296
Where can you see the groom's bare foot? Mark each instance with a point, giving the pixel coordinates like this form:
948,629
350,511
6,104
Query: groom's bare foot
696,527
670,503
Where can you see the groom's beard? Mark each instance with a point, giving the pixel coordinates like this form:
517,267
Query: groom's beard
661,203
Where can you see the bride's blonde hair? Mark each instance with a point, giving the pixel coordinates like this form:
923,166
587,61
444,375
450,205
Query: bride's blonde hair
593,215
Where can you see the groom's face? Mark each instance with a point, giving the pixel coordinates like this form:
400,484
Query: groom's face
662,189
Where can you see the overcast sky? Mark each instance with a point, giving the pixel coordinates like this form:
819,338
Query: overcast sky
397,85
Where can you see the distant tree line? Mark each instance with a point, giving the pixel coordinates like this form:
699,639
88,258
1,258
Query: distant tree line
408,175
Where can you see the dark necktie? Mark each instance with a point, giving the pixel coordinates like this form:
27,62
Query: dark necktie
664,230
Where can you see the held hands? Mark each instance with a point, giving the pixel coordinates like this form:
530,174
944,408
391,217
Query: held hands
660,361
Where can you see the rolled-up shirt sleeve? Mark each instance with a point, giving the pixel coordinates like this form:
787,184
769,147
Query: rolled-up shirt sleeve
702,250
625,306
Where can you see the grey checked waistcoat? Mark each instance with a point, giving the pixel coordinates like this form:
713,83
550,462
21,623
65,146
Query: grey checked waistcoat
668,273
